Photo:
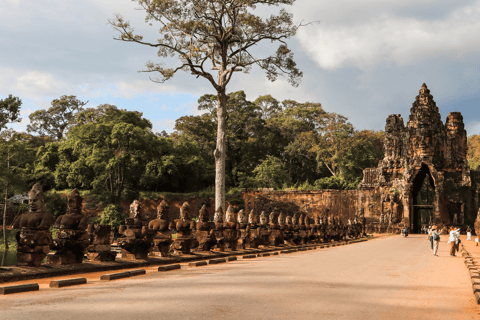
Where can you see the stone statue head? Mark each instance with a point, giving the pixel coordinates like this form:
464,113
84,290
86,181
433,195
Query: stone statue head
263,218
242,217
203,214
185,211
295,219
288,220
230,215
163,210
218,217
36,199
74,202
135,208
317,219
271,217
252,218
281,219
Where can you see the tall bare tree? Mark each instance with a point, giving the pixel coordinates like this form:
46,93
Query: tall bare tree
216,35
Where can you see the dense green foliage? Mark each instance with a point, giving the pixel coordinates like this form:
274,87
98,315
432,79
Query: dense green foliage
113,215
12,243
473,154
113,154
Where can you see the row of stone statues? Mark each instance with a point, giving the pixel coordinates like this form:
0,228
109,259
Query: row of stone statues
74,239
139,238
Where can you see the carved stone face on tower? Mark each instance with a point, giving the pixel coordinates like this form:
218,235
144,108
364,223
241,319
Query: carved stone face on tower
74,204
163,210
317,220
135,209
36,199
185,211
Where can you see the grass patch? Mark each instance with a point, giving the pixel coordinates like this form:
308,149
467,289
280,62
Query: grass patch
12,243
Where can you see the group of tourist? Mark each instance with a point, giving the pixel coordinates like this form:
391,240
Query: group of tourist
453,239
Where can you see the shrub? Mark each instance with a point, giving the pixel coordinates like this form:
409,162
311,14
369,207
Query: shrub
113,215
55,204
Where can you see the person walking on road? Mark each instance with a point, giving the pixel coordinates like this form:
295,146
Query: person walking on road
430,237
454,234
457,240
436,240
469,233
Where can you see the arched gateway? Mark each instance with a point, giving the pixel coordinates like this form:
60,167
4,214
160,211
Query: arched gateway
424,177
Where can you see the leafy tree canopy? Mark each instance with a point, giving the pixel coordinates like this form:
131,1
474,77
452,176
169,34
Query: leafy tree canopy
55,121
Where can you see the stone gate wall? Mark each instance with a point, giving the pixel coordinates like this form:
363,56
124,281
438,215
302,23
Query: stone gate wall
338,203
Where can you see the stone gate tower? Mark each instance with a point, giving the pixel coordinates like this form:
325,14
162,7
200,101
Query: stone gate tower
424,149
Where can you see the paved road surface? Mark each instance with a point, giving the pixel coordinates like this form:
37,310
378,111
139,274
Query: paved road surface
386,278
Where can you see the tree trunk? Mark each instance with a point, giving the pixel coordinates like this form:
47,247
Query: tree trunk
220,151
5,220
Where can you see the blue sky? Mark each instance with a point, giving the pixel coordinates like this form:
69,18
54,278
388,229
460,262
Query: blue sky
364,59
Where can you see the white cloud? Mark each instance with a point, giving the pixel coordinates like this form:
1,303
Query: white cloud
164,124
26,112
390,37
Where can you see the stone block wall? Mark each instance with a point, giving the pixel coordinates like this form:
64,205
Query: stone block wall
338,203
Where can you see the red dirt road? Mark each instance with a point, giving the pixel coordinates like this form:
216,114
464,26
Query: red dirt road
386,278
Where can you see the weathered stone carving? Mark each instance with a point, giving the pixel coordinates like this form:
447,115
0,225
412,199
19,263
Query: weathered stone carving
134,241
242,229
100,248
34,238
264,230
288,231
72,237
425,147
159,233
477,224
276,235
230,230
205,231
253,238
218,231
185,241
302,232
